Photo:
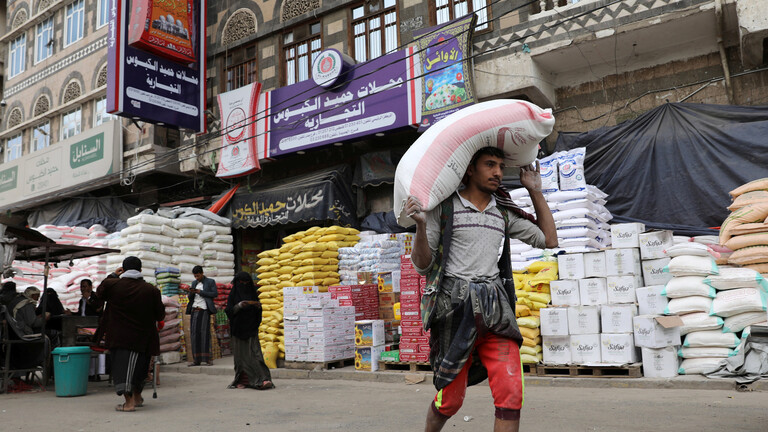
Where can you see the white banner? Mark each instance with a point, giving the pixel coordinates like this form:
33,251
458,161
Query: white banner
239,112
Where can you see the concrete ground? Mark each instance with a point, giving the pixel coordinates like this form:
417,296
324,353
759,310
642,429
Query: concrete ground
197,400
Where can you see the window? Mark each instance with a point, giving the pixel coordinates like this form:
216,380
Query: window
41,136
101,114
446,10
13,148
70,124
74,22
18,55
102,18
44,40
374,28
240,67
300,47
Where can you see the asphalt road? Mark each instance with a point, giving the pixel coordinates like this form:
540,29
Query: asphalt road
199,402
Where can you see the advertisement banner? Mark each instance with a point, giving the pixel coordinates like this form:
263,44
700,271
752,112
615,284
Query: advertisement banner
372,97
447,82
238,110
149,84
164,27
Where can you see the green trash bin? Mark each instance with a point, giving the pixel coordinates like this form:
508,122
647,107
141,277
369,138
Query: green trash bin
70,370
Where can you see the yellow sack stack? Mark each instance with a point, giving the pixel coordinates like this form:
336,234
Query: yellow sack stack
532,292
271,275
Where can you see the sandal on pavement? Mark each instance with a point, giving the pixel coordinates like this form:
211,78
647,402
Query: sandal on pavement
266,385
121,408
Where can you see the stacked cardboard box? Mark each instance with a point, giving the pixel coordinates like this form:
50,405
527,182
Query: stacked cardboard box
364,298
414,342
316,328
369,344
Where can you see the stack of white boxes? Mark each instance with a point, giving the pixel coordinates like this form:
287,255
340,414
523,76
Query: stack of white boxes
316,328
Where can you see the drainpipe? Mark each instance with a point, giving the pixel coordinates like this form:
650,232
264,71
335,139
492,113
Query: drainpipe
719,25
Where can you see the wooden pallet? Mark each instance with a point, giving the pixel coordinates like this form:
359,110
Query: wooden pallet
405,366
336,364
530,369
579,371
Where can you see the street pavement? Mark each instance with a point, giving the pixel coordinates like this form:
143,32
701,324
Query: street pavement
199,401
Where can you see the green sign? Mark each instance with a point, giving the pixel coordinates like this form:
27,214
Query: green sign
8,178
86,151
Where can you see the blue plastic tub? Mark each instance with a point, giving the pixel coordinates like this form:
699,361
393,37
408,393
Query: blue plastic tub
70,369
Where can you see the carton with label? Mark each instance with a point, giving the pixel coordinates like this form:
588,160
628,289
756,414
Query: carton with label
654,243
653,271
660,362
583,320
571,266
554,321
594,264
617,318
369,333
585,349
626,235
556,350
367,357
650,301
565,292
623,262
654,331
593,292
622,289
617,348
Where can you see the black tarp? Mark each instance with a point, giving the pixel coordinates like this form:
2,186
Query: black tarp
110,212
320,196
672,167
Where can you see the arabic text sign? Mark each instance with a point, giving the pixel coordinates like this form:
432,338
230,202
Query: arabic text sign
146,86
376,96
238,143
447,84
309,203
84,158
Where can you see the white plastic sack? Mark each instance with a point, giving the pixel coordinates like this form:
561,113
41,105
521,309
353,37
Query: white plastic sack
169,231
696,366
733,277
221,265
222,230
739,322
140,246
152,256
150,238
225,256
189,232
219,247
206,236
179,242
711,338
170,250
434,165
186,223
195,260
688,304
704,352
689,265
685,286
142,228
737,301
147,219
549,175
688,248
223,239
571,169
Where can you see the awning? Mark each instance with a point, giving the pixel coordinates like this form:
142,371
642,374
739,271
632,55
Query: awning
319,196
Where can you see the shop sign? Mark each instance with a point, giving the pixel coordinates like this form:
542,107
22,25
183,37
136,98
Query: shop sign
239,155
155,79
327,68
85,158
377,96
447,83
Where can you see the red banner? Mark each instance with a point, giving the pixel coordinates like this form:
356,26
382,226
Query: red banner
163,27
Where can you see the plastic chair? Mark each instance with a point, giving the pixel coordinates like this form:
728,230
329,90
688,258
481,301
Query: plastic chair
10,337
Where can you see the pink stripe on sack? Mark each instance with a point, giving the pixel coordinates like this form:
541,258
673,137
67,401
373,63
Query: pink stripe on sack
430,165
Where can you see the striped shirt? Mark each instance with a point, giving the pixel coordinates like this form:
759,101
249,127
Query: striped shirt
477,238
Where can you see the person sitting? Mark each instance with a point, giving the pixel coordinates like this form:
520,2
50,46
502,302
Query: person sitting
89,304
54,310
25,324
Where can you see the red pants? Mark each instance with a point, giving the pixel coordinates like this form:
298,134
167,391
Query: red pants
501,357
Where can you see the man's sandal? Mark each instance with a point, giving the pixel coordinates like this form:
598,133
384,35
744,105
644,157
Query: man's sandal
121,408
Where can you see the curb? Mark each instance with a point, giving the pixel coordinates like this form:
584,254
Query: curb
697,382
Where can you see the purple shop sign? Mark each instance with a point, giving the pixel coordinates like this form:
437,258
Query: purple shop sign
447,83
368,98
147,87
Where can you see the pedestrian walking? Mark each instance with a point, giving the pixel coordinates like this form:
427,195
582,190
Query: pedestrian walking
201,307
468,305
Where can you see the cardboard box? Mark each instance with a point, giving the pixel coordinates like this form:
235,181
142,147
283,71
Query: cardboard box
594,264
622,289
565,293
389,282
593,291
626,235
617,348
556,349
405,262
660,362
654,243
415,358
369,333
583,320
650,301
653,271
617,318
571,266
653,331
300,290
585,349
622,262
367,357
554,321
